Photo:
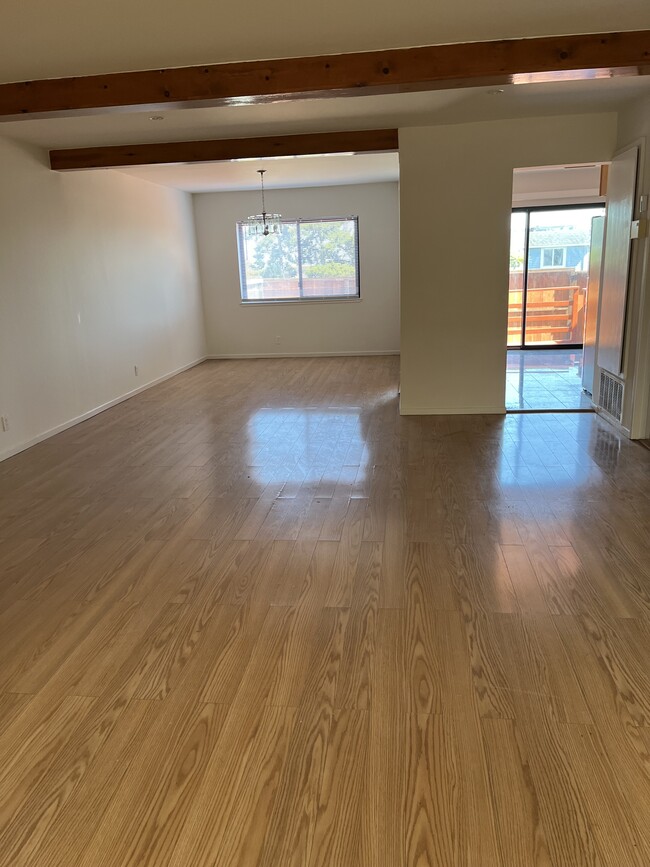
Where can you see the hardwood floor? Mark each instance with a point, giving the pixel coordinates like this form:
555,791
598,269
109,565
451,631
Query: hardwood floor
254,617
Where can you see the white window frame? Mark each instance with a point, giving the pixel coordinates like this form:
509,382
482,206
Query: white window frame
300,299
552,265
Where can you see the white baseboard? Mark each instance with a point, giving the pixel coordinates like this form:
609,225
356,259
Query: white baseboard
612,421
14,450
407,409
351,353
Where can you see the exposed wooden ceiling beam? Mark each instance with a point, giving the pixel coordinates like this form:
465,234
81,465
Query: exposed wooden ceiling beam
403,69
223,149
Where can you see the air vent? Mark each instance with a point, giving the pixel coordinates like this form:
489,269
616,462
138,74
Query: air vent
610,396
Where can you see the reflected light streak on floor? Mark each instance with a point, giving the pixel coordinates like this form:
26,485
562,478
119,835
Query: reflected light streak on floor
302,444
550,451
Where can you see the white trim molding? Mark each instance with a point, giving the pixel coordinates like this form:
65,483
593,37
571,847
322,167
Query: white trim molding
605,416
350,353
407,409
21,447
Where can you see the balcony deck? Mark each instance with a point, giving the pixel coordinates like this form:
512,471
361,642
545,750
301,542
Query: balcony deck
555,310
545,379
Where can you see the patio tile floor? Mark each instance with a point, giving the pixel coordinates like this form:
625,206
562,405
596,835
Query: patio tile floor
545,379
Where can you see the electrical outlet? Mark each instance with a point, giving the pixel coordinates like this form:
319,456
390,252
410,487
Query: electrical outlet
4,421
277,339
135,369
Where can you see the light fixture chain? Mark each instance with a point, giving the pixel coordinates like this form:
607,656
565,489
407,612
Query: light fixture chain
261,171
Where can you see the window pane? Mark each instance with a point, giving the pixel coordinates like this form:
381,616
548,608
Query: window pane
269,265
308,259
516,283
559,242
329,258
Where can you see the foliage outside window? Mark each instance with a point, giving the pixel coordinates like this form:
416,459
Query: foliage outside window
309,259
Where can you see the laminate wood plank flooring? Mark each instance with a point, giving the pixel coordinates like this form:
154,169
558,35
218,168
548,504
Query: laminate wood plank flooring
253,617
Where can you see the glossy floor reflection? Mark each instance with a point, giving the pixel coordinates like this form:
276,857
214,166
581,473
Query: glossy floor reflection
254,617
308,440
545,379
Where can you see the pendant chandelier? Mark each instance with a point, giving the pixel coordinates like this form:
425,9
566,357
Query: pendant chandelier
263,224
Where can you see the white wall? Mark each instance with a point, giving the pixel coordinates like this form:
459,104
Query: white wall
557,186
97,274
305,328
634,128
456,195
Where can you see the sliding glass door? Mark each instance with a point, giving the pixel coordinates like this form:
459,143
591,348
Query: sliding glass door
549,268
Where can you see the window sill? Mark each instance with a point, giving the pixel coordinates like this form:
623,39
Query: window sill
266,303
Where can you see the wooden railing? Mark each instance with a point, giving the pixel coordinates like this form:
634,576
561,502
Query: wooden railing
553,315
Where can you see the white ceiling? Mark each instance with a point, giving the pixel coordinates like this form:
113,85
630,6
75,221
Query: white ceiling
51,38
571,182
316,171
318,115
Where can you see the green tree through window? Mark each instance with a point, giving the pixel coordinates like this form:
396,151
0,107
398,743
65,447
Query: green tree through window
276,255
307,259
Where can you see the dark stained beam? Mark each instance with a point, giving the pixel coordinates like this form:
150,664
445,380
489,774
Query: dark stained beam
394,70
223,149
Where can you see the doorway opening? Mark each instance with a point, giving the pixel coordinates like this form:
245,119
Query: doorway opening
550,249
549,271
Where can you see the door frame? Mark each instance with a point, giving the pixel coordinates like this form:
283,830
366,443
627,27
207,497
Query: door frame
528,209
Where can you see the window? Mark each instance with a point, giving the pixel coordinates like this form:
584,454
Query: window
553,257
308,259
